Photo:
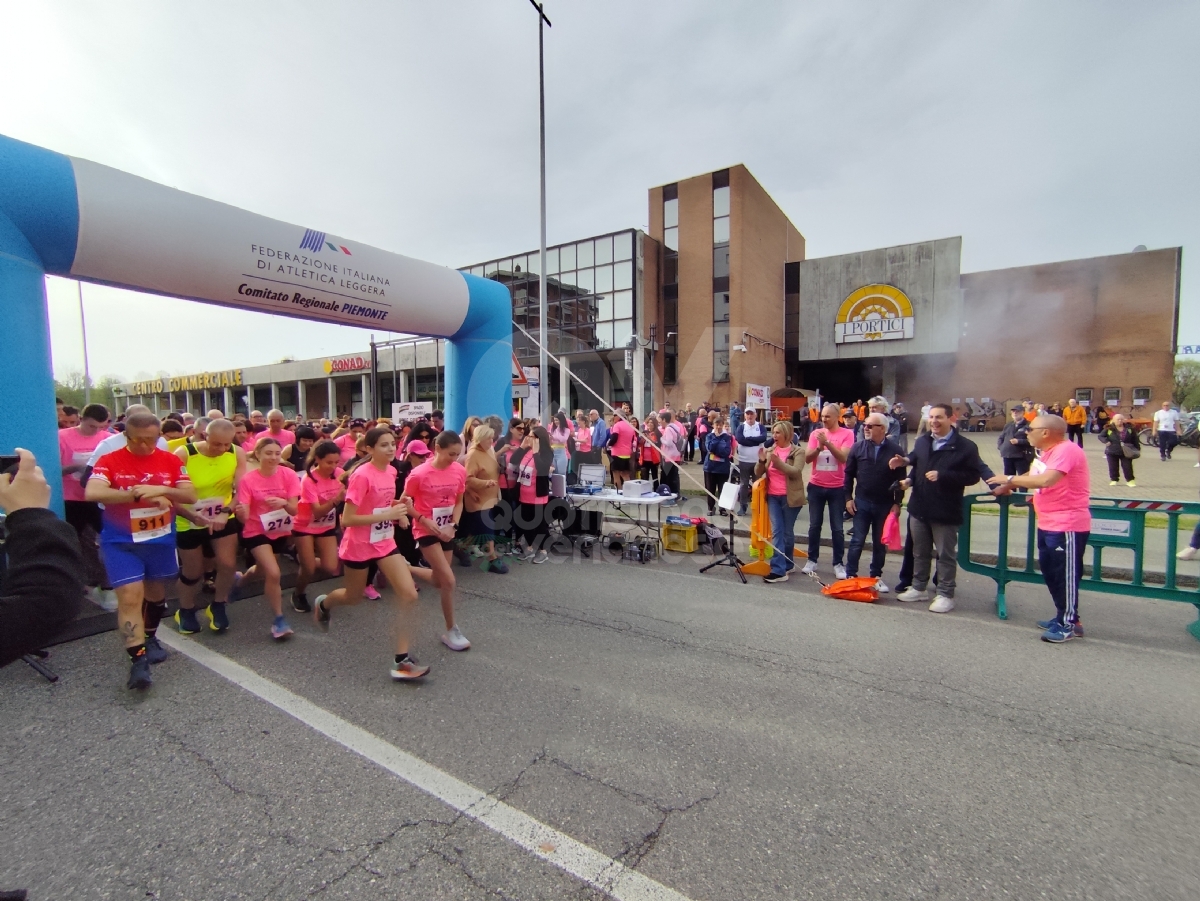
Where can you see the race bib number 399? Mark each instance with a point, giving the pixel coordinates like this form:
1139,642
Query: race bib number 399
382,531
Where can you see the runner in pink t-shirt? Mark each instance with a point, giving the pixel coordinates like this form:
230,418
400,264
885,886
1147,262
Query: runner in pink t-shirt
369,518
436,488
315,530
265,505
621,461
75,446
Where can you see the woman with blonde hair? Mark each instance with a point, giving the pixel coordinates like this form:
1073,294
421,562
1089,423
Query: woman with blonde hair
482,497
783,465
468,429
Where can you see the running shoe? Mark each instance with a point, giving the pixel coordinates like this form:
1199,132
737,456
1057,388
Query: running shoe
1188,553
407,670
941,604
455,640
155,652
881,586
541,556
1058,633
280,628
498,566
320,614
371,593
186,622
912,594
839,571
300,602
772,578
463,558
809,568
218,617
105,599
1131,484
139,674
1045,624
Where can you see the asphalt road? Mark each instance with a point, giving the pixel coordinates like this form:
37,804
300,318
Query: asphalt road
724,741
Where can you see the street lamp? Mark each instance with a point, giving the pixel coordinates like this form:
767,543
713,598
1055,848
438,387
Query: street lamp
543,361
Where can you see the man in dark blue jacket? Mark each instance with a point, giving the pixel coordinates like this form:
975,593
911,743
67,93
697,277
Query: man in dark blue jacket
944,464
872,493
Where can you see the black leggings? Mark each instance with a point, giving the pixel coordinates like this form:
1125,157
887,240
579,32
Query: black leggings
713,483
1126,467
649,471
532,524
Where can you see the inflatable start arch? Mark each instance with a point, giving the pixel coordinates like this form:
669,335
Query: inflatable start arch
75,218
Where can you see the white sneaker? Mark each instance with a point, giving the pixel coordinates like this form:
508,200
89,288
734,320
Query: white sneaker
809,568
881,586
455,640
541,557
911,594
1111,484
106,598
1188,553
941,604
839,572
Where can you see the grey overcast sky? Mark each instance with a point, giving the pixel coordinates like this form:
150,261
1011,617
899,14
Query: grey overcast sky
1037,131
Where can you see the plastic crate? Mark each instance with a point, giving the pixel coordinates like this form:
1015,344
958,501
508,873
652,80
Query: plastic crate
679,538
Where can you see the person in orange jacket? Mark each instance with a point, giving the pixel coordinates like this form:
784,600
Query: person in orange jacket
1075,415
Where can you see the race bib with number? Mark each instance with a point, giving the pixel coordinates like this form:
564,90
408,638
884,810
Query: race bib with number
276,522
443,516
526,476
326,520
826,462
212,508
382,531
148,523
80,458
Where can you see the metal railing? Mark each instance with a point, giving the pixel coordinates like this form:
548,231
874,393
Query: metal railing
1116,523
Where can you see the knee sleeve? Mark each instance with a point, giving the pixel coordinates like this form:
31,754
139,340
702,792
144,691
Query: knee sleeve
189,582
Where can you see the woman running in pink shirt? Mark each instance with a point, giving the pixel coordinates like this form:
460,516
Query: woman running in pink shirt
369,519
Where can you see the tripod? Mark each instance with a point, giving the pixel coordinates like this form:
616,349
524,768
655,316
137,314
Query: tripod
730,558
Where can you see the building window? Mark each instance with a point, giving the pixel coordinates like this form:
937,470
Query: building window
670,282
1141,397
720,182
1083,396
1112,396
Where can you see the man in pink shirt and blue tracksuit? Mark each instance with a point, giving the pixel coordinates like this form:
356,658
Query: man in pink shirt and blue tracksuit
1062,489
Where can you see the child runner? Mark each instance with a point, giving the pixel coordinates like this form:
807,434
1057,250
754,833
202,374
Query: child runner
266,503
315,529
436,490
214,467
369,518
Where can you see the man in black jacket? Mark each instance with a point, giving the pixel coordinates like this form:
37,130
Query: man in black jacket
944,464
42,588
872,493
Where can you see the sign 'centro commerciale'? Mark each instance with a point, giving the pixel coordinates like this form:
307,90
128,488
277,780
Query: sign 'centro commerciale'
874,313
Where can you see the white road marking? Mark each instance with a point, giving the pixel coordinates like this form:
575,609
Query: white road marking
574,857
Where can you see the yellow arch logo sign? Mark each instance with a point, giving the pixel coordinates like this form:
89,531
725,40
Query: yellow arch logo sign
874,313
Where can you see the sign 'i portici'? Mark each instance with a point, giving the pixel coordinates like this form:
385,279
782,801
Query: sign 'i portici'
874,313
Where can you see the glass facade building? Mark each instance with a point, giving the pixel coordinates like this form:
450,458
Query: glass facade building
594,308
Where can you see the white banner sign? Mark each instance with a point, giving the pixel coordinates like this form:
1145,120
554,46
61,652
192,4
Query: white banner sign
145,235
413,410
758,396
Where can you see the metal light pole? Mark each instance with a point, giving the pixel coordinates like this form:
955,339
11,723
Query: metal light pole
87,375
543,361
